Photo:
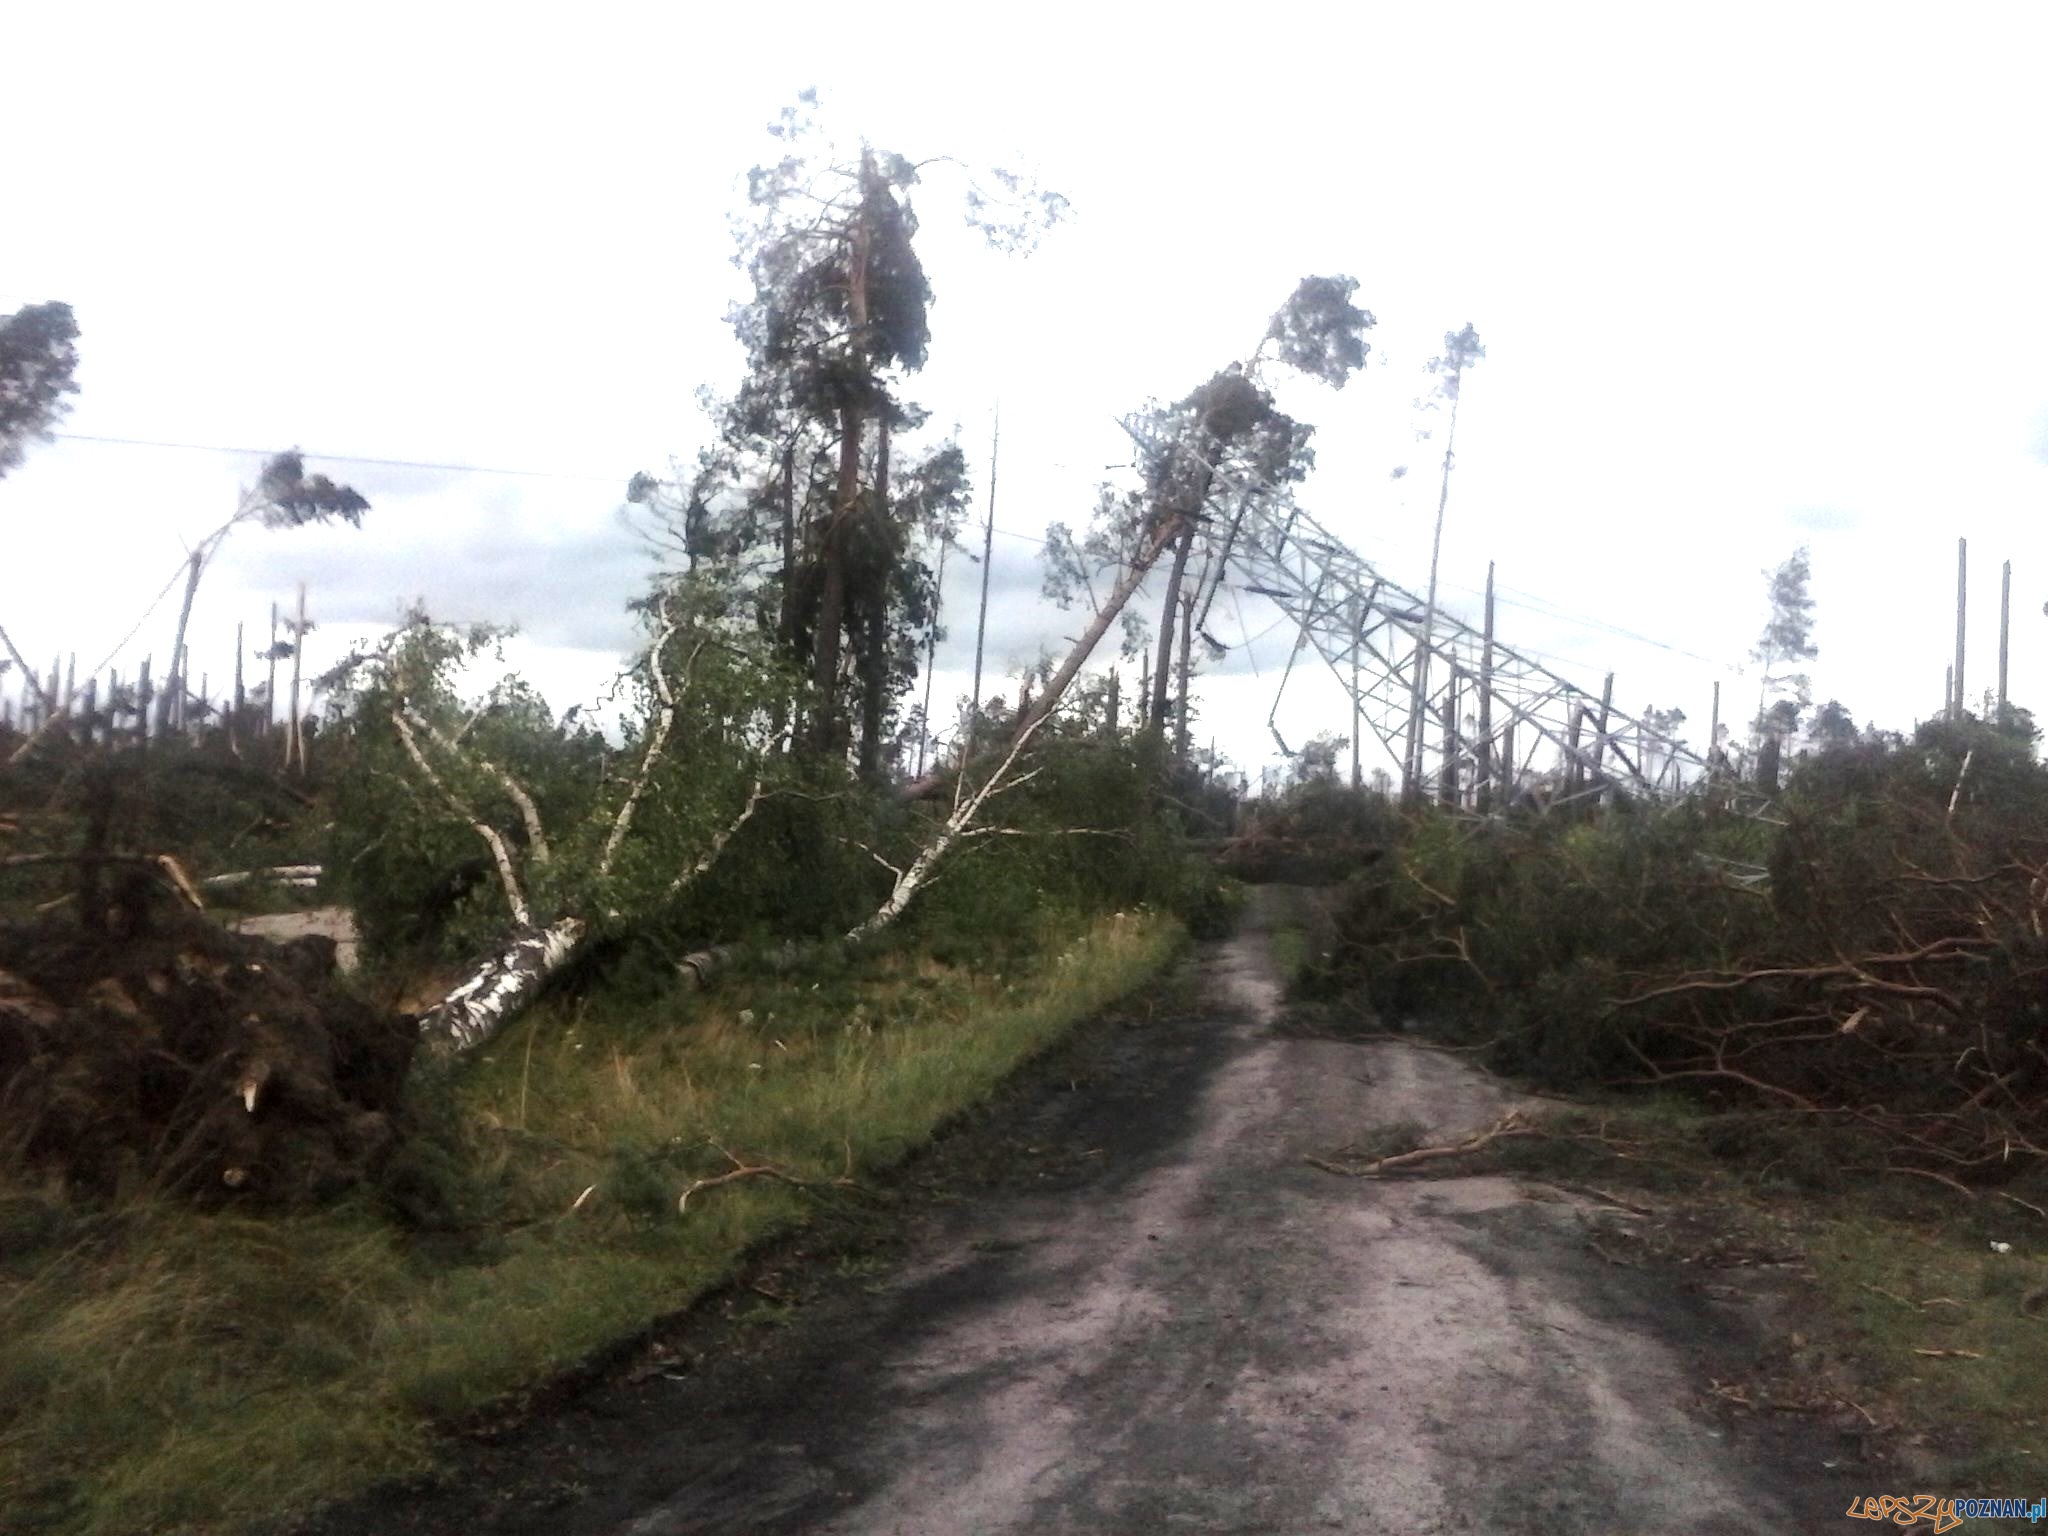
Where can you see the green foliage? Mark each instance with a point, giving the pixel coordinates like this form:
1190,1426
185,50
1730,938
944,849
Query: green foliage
1873,961
38,368
1519,931
1085,833
288,497
1317,831
1787,639
1320,332
1462,350
189,797
420,881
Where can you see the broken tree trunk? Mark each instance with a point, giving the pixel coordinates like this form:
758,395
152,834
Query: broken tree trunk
500,986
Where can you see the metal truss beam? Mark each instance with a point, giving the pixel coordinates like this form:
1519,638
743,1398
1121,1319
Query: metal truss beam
1395,658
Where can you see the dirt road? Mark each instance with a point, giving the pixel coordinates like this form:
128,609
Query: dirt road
1152,1316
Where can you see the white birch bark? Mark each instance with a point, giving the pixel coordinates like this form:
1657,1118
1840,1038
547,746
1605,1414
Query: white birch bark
508,874
960,825
500,986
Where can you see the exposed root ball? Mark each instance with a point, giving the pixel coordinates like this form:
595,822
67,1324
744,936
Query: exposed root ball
210,1064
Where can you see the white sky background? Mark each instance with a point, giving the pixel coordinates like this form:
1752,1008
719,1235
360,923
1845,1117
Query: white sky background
1747,278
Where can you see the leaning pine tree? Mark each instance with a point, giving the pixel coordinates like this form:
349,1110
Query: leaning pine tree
1227,431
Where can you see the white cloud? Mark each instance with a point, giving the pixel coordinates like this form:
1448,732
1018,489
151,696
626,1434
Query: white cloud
1748,277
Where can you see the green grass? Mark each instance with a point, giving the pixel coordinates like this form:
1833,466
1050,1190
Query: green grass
1902,1287
162,1370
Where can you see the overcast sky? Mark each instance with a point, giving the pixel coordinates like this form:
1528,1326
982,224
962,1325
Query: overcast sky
1748,277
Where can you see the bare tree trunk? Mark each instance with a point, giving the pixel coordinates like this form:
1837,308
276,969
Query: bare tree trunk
785,618
177,679
1170,528
500,986
295,743
874,658
1600,736
832,589
826,732
1162,664
1180,712
931,652
270,687
1575,769
143,698
1957,707
960,826
235,719
1447,778
1421,688
988,550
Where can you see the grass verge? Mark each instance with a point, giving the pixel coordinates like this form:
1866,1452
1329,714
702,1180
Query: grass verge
162,1370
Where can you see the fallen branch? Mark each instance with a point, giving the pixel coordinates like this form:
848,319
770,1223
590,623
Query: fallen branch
301,875
1509,1124
744,1170
1608,1196
168,866
2026,1204
718,842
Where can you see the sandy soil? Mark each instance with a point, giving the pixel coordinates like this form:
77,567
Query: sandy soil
1132,1307
334,923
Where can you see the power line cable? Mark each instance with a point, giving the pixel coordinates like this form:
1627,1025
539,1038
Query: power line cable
338,458
1526,601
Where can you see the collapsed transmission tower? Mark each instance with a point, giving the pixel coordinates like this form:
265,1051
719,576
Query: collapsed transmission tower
1398,660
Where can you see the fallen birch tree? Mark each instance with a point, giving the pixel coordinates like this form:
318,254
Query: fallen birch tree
558,889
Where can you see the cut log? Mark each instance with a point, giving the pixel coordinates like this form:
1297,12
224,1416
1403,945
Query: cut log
303,876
